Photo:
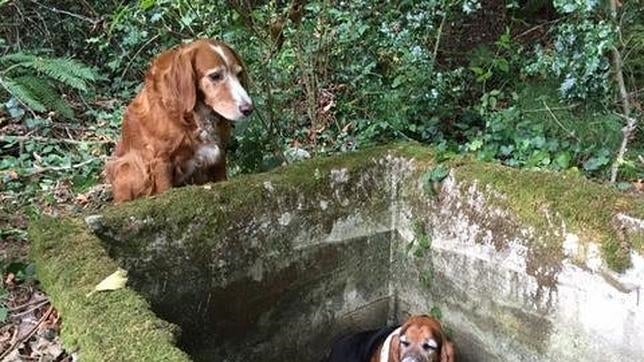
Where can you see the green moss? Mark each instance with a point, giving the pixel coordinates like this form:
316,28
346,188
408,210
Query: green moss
107,326
587,208
239,198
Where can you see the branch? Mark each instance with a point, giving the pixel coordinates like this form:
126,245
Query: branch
570,133
127,67
626,105
50,140
38,170
438,36
65,12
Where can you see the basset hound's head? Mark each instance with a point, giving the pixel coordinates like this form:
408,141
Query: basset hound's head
205,71
421,339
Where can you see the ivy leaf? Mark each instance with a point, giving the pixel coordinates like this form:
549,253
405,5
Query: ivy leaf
431,178
438,173
503,65
563,160
595,163
398,81
146,4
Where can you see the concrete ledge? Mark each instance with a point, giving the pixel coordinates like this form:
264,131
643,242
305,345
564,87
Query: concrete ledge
520,264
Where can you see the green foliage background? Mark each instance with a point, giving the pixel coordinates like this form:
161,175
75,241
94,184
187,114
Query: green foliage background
523,83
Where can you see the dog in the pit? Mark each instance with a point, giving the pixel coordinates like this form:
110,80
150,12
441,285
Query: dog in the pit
420,339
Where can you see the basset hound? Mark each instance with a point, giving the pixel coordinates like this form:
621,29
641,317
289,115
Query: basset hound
419,339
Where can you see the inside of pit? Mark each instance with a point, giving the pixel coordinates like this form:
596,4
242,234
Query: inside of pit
272,312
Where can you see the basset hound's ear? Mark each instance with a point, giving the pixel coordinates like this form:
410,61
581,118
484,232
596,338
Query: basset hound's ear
448,351
394,349
177,84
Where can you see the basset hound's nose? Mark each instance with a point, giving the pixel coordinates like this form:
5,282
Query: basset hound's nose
246,109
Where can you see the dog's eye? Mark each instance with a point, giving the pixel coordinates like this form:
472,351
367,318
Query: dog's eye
216,76
428,347
404,343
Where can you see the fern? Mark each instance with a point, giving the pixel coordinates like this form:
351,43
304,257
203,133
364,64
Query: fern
76,68
23,94
46,94
59,69
18,57
65,70
37,92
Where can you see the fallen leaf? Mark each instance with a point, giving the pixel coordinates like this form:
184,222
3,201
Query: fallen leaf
639,185
10,280
115,281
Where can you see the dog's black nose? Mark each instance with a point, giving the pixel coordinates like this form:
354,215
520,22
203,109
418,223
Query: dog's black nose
246,109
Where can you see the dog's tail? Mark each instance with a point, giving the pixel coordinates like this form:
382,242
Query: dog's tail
128,176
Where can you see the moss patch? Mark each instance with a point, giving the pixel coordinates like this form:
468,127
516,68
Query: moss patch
109,326
540,198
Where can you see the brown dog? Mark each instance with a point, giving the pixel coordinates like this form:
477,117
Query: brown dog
419,339
178,127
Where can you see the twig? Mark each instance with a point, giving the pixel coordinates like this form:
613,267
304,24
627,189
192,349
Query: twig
626,105
24,305
89,7
37,306
570,133
28,335
65,12
127,67
9,138
438,36
38,170
537,110
536,27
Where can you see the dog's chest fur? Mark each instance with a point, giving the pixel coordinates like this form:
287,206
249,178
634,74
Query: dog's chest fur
210,139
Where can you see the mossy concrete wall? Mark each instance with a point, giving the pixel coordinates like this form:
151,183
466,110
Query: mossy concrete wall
520,265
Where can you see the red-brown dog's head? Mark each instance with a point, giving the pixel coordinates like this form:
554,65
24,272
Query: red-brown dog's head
205,70
421,339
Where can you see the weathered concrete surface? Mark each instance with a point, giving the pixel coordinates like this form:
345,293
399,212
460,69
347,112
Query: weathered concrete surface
520,265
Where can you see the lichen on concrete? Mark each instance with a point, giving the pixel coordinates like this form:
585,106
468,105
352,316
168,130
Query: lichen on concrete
555,203
332,237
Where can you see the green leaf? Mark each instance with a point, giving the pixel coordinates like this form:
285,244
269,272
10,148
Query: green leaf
4,314
438,173
475,145
563,160
18,57
398,81
624,186
146,4
24,95
595,163
492,102
503,65
477,70
47,95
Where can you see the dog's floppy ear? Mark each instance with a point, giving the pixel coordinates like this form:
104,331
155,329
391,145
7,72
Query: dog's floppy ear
448,351
394,349
178,85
